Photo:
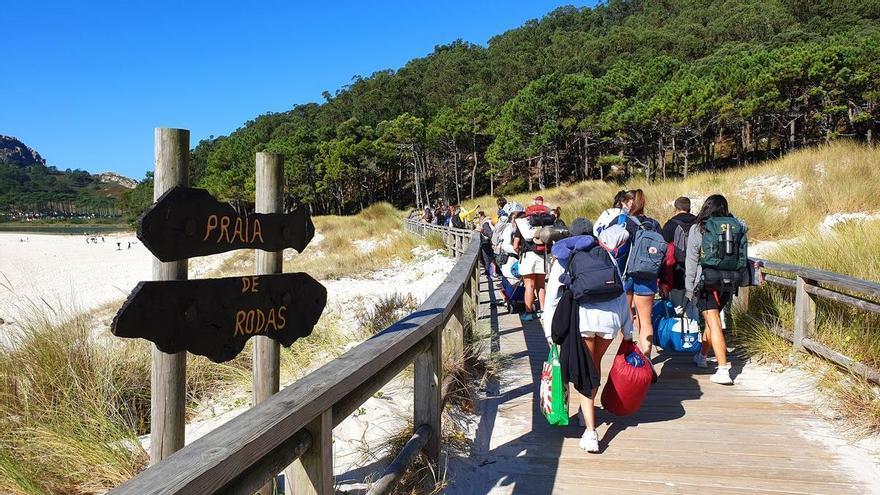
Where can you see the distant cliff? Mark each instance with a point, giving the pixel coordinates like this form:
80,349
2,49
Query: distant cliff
15,152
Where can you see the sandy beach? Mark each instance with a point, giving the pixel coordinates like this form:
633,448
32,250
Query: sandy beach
66,273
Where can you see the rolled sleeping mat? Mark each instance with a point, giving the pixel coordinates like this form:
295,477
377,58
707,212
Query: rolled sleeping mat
549,235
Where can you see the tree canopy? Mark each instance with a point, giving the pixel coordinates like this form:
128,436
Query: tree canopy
630,87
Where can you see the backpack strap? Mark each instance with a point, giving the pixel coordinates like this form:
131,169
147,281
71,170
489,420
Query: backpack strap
613,259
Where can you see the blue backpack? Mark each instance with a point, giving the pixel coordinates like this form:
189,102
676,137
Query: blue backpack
647,253
672,332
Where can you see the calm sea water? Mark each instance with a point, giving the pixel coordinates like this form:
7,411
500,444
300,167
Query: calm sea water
62,229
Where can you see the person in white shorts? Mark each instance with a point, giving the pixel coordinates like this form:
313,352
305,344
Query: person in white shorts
599,322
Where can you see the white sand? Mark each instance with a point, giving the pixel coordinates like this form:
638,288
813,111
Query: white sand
63,271
69,275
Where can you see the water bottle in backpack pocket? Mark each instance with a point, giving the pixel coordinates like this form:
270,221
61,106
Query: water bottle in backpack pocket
724,255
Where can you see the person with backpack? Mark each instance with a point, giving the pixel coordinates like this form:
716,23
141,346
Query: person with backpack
531,254
644,259
716,266
484,228
585,271
675,233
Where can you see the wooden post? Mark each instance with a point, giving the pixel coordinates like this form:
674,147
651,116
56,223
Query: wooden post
426,391
168,371
804,312
312,472
741,301
454,331
267,360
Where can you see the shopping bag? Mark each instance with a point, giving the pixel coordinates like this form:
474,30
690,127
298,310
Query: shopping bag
554,393
628,381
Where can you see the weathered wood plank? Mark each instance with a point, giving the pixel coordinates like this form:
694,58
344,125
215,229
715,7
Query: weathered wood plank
404,458
866,287
427,377
312,472
804,312
842,360
854,302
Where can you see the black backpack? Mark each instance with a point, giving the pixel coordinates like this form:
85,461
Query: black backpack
680,239
541,220
594,276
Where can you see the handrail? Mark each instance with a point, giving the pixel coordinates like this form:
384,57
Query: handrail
296,423
806,284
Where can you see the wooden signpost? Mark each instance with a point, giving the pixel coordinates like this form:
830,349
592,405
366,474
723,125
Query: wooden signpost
187,222
216,317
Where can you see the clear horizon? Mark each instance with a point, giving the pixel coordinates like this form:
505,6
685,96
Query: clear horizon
90,84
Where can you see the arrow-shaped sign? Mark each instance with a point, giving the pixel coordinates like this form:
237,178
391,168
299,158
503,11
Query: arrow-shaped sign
215,317
187,222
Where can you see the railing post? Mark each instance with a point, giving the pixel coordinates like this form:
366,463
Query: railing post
454,331
427,393
267,353
741,301
804,312
168,371
312,472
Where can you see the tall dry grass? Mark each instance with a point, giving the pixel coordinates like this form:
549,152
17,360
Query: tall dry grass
850,249
834,178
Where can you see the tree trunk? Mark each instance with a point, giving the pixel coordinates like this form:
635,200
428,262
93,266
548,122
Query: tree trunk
686,152
474,171
455,156
587,157
674,157
661,158
556,156
869,136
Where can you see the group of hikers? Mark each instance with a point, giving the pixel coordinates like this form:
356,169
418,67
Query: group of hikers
604,278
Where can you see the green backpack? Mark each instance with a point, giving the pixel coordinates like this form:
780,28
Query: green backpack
725,245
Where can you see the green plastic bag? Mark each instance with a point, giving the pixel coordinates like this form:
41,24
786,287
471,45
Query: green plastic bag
554,393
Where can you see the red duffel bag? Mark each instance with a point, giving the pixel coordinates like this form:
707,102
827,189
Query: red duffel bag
628,383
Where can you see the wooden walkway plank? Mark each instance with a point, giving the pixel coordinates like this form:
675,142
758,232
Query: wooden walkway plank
748,441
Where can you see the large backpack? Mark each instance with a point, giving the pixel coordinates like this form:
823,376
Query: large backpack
647,252
724,254
594,276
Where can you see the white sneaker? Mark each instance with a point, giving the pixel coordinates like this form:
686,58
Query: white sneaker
700,360
722,375
590,441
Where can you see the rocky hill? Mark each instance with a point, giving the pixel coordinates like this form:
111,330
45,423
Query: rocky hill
15,152
31,190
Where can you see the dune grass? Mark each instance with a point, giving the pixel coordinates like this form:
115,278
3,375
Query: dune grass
834,178
850,249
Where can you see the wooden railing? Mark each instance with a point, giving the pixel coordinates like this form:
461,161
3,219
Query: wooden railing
809,284
295,425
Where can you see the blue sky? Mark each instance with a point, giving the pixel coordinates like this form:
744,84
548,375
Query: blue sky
85,83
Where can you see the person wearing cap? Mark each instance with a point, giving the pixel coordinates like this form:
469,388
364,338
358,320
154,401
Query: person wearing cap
537,207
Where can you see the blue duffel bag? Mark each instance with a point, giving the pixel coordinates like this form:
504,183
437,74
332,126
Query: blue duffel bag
673,332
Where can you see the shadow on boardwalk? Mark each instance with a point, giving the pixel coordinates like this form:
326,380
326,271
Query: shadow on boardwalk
658,449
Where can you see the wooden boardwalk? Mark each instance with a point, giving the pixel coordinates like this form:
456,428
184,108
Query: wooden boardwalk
691,436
